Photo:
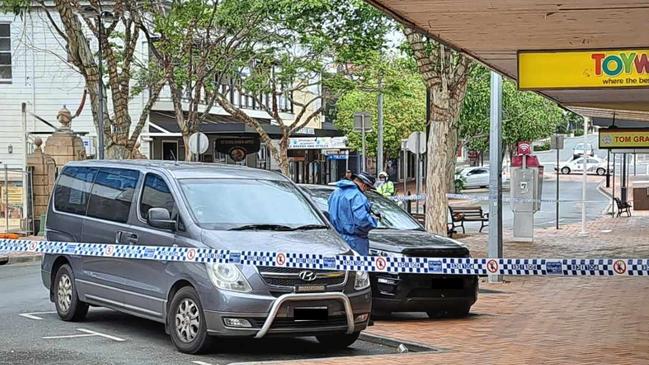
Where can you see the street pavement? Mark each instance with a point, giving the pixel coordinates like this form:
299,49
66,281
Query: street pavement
32,333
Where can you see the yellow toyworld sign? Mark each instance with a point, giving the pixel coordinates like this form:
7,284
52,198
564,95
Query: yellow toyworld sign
539,70
624,138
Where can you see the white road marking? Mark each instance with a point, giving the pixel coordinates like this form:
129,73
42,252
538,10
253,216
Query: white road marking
67,336
31,315
202,363
86,333
101,334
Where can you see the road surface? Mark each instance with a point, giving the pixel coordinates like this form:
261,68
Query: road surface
31,333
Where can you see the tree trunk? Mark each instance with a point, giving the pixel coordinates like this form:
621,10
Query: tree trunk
438,161
452,158
188,152
282,157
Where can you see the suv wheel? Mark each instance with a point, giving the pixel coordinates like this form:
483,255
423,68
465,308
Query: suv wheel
339,341
565,170
601,171
188,328
66,300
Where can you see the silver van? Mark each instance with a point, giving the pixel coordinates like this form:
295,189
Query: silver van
159,203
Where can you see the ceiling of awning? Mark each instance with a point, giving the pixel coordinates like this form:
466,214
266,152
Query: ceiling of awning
493,31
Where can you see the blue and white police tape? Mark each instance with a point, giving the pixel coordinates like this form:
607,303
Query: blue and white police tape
389,264
420,197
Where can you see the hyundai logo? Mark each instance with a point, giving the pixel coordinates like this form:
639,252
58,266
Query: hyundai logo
308,275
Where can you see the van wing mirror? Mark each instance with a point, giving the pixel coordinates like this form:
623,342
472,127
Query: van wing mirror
326,214
160,218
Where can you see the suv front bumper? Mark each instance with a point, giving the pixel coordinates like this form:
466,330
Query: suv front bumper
343,315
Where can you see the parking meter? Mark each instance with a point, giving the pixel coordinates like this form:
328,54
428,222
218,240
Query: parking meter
525,191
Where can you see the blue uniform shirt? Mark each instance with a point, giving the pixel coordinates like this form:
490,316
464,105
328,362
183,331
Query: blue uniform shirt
349,212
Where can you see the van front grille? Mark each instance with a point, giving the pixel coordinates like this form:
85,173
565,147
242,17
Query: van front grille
290,277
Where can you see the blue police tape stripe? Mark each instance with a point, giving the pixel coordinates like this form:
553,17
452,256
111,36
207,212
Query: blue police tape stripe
390,264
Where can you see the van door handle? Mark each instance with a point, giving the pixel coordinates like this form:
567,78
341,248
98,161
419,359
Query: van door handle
131,238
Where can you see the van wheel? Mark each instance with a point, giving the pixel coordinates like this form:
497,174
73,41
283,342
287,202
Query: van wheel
565,170
338,342
600,171
66,300
187,322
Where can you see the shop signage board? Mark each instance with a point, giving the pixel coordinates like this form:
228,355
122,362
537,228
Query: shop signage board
583,69
317,143
623,138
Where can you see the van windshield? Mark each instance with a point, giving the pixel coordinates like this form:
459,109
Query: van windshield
248,204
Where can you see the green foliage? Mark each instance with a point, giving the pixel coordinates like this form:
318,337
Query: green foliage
459,183
404,107
526,115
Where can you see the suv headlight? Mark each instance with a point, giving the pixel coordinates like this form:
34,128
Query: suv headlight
227,277
362,280
376,252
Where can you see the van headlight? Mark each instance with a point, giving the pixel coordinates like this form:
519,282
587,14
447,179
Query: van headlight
227,277
362,280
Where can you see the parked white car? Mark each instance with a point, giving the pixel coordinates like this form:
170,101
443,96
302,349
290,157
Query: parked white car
476,177
583,149
593,165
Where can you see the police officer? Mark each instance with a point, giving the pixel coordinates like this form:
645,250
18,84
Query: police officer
385,187
350,211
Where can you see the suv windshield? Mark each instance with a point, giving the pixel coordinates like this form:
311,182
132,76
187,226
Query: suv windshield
393,217
248,204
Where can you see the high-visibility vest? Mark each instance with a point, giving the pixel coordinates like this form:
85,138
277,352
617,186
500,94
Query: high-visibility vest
387,189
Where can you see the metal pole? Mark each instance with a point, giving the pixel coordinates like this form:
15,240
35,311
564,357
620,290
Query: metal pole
495,246
25,169
557,195
623,182
635,162
417,173
608,168
100,92
379,144
363,137
583,181
405,168
6,198
613,189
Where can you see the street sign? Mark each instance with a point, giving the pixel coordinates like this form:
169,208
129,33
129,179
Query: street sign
317,143
413,146
556,142
524,148
623,138
198,143
362,119
583,69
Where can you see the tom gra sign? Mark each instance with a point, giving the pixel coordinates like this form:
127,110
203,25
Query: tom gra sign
583,69
623,138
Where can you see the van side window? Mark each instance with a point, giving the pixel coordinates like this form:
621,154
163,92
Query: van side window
112,194
156,194
72,191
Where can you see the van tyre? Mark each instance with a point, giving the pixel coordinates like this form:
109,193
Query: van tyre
565,170
186,322
339,341
66,299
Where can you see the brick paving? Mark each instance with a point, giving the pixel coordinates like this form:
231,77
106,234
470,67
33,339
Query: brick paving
540,320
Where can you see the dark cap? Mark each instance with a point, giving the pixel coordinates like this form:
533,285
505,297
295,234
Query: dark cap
366,178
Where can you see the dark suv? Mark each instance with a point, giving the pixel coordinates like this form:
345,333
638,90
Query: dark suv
399,234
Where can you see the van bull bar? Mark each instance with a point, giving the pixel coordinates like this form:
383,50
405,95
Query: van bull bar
390,264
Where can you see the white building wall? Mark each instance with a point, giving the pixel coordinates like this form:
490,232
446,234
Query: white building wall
42,78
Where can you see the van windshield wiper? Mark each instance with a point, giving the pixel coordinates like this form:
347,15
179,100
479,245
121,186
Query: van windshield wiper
262,227
310,226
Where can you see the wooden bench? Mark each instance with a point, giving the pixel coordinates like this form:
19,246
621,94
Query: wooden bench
421,218
623,207
461,214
